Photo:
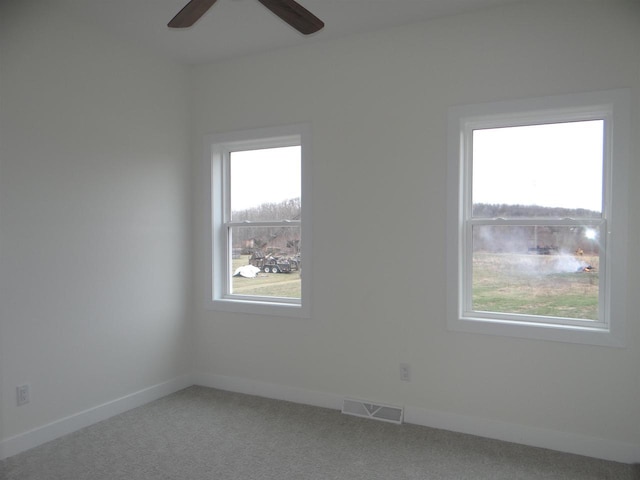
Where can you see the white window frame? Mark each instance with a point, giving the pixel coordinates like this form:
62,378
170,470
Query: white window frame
217,149
612,106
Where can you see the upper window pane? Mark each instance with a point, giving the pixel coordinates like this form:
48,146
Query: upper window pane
549,170
265,184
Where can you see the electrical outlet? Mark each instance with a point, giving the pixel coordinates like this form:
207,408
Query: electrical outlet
405,372
23,396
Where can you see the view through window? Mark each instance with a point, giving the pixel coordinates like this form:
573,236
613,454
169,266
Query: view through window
535,225
263,222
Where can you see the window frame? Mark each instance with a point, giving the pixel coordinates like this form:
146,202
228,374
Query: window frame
610,106
217,149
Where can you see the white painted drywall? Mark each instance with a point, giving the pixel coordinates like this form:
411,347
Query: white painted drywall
95,225
377,105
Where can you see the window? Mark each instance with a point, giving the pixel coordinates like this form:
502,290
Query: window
260,242
537,218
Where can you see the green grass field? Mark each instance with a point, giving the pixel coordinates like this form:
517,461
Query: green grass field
548,285
266,284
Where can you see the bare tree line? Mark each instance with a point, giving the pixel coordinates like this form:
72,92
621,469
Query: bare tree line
285,210
486,210
285,239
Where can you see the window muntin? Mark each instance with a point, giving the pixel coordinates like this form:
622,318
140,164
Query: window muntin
600,222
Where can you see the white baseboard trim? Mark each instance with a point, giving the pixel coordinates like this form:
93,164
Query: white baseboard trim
32,438
532,436
526,435
269,390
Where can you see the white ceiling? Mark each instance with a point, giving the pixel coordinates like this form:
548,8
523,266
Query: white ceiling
234,28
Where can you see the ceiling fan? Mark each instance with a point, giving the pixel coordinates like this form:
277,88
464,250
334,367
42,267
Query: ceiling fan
288,10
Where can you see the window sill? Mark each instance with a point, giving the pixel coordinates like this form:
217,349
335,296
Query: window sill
274,309
538,331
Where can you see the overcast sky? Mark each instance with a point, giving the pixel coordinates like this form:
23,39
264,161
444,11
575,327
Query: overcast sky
556,165
264,176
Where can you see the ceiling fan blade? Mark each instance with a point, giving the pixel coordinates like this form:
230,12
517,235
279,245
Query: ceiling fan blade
295,15
190,13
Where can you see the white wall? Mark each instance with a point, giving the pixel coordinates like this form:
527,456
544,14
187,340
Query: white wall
377,104
95,227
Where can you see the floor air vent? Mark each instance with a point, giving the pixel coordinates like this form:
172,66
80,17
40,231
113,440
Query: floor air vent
385,413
